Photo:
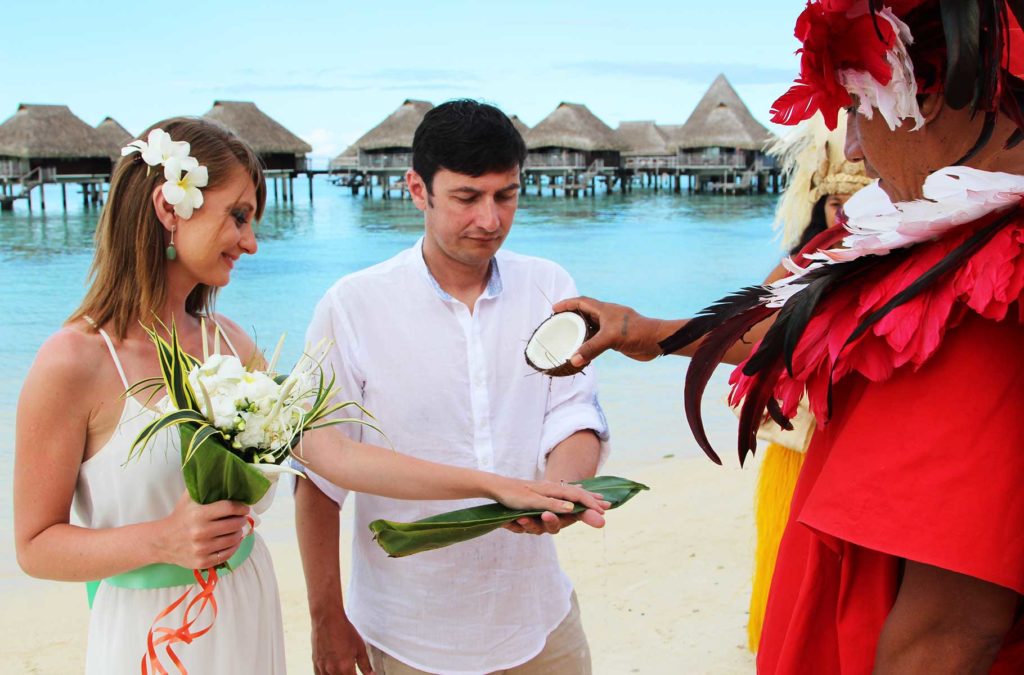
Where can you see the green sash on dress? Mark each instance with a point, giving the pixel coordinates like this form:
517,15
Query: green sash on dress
163,575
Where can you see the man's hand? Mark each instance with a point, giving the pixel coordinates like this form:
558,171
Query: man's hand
337,647
618,327
550,523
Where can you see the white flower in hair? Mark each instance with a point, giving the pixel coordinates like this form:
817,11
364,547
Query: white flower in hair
157,148
183,191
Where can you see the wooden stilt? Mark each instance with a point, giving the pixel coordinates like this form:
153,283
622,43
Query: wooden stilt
64,195
310,177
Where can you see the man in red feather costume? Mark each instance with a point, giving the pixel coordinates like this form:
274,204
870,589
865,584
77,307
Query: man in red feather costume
905,547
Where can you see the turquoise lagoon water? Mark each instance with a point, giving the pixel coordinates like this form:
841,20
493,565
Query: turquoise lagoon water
667,255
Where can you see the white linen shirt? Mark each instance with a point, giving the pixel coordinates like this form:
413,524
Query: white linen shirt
453,387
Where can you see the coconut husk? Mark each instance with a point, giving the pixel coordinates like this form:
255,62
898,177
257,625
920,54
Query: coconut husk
566,368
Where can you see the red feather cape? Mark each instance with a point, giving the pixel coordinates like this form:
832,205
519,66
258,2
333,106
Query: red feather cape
990,282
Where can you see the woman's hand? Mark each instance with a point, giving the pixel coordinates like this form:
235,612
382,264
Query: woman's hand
618,327
545,495
201,536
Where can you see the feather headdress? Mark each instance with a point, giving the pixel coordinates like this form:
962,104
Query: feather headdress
885,53
812,160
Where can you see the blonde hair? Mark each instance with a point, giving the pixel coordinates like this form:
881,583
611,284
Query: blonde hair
128,278
812,160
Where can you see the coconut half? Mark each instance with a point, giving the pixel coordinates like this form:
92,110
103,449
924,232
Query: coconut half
555,341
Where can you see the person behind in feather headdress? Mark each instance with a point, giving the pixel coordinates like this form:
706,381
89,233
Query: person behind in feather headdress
819,181
903,551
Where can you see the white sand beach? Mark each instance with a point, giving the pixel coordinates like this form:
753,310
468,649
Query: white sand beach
663,588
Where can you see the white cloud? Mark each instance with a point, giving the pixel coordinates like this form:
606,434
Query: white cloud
326,143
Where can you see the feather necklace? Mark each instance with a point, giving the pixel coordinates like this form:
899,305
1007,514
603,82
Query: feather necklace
878,232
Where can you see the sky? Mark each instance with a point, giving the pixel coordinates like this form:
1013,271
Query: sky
330,71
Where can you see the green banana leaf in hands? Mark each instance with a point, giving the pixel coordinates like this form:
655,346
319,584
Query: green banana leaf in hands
402,539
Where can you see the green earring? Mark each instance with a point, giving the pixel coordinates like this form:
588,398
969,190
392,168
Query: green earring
170,251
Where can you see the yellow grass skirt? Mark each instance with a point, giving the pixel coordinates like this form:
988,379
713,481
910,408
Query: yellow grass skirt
779,471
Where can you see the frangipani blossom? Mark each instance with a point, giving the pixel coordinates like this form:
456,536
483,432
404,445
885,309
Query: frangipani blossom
158,148
183,191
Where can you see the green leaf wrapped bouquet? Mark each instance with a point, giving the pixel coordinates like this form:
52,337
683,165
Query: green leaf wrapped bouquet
402,539
237,425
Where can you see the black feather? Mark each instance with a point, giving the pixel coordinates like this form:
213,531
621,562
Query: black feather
983,138
779,417
752,412
875,6
960,24
712,317
989,72
707,357
784,335
950,261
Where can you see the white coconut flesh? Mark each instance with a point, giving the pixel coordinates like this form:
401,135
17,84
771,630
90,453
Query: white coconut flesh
556,340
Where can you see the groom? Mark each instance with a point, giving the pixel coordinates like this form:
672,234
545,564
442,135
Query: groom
431,342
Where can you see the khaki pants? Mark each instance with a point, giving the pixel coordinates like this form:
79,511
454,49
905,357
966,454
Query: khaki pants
566,652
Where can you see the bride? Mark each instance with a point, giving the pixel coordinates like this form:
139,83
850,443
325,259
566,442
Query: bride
181,211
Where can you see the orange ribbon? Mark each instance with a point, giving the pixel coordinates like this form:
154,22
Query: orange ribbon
159,636
168,637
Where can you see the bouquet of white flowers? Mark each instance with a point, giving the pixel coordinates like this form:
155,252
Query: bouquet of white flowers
238,425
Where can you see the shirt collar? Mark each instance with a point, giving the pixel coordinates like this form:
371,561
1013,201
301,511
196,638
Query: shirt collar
494,286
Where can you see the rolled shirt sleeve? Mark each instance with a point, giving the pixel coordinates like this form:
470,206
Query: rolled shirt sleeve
573,403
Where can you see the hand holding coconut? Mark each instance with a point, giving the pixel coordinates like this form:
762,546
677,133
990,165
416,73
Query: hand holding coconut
617,327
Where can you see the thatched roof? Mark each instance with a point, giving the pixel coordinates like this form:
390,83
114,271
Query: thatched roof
255,127
49,132
113,136
643,139
519,125
572,126
671,132
722,119
397,129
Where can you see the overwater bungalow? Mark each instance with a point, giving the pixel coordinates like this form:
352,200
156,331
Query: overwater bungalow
113,136
520,125
571,146
385,151
721,141
347,161
646,151
283,153
280,149
42,144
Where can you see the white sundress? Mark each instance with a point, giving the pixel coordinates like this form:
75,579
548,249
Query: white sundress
247,636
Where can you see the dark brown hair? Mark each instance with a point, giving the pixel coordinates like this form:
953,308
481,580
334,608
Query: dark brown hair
128,278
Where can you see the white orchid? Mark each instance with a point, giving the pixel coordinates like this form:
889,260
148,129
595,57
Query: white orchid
183,191
158,148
